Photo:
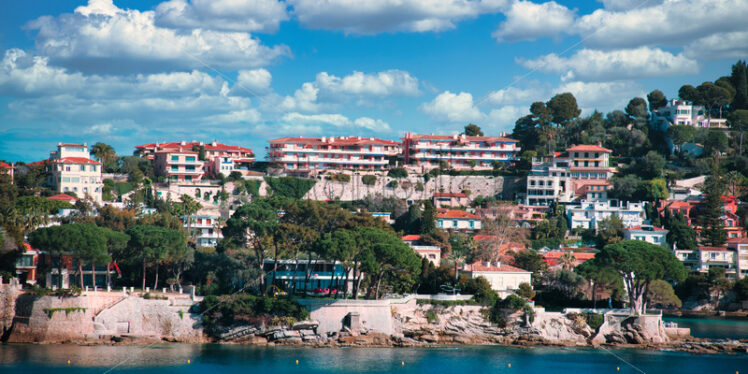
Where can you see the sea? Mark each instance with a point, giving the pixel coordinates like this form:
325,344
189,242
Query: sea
226,358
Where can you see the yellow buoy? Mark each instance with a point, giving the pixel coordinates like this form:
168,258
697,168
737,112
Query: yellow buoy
188,360
297,362
402,363
509,365
618,369
68,362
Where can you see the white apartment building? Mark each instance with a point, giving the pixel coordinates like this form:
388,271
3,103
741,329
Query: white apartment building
458,151
703,258
205,229
458,220
580,172
504,279
740,246
71,169
222,165
646,233
588,214
682,112
345,152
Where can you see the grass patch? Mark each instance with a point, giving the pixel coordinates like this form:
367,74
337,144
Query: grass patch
51,311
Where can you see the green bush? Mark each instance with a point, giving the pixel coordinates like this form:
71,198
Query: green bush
392,184
291,187
431,316
397,173
253,187
37,203
513,302
122,188
244,309
369,180
419,186
594,320
340,177
51,311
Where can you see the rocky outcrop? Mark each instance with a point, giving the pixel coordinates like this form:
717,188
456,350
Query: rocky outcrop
626,329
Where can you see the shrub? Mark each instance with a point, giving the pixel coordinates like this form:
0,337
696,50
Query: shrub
392,184
419,186
252,187
340,177
397,173
290,186
594,320
369,180
235,176
525,290
431,316
51,311
229,310
513,302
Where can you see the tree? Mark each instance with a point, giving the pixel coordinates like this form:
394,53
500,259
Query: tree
105,154
501,230
186,208
153,245
712,95
739,80
625,187
609,230
428,218
639,263
473,130
599,276
531,261
688,92
681,133
384,253
567,260
738,120
661,294
717,283
652,165
656,100
563,108
637,108
716,143
525,290
713,230
680,235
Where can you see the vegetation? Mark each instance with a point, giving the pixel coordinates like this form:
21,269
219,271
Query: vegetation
369,179
397,173
341,177
237,309
290,187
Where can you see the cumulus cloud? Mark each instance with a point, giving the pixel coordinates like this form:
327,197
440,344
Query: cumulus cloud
385,83
717,46
628,4
337,120
515,95
601,96
673,23
450,107
526,20
252,82
231,15
375,16
595,65
101,37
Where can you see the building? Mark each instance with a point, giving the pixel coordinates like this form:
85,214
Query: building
646,233
308,155
553,258
580,172
64,197
450,199
6,168
429,252
504,279
692,208
212,150
740,246
703,258
70,169
458,151
26,264
458,220
205,229
588,214
499,249
312,277
179,166
683,112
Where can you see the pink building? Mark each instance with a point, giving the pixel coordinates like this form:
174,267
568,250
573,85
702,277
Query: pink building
212,150
448,199
179,166
458,151
348,152
7,169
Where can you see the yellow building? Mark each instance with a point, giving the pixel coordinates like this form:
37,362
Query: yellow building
72,170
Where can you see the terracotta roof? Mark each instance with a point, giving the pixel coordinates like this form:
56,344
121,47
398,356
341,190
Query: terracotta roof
411,237
712,249
4,165
738,240
502,268
74,160
335,140
580,256
457,214
63,197
207,146
449,194
467,138
71,145
166,151
588,148
35,163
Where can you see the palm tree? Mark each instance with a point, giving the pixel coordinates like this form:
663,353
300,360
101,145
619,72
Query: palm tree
188,207
734,179
104,153
567,261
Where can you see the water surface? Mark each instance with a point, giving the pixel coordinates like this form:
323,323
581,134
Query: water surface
31,359
714,328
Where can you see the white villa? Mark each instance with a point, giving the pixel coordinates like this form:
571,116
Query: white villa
588,213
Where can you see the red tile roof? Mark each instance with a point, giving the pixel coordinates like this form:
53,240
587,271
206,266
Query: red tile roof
457,214
207,146
335,140
580,256
449,194
467,138
738,240
411,237
588,148
74,160
63,197
713,249
502,268
4,165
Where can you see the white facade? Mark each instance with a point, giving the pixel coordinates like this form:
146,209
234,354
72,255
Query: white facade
72,170
740,246
504,279
223,165
205,229
458,220
458,151
347,152
588,214
682,112
703,258
649,234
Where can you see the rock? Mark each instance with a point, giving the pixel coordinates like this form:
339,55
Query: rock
305,325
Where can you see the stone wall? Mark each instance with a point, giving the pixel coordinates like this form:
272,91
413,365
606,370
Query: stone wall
374,315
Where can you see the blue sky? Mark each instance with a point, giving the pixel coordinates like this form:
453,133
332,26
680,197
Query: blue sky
245,71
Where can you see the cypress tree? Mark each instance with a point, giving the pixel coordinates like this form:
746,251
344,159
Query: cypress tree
713,230
739,80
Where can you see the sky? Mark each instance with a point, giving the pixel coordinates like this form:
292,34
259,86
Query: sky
129,72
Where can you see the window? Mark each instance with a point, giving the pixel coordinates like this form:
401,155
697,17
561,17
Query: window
83,167
188,178
472,224
175,158
454,223
190,158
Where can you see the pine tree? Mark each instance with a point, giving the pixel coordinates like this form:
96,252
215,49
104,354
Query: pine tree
713,231
739,80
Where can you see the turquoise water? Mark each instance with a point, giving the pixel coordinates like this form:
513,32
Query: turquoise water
714,328
31,359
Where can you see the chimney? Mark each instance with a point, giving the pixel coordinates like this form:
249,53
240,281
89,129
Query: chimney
214,143
323,139
183,142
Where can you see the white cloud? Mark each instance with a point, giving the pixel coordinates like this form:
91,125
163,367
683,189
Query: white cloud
503,118
451,107
252,82
717,46
231,15
337,120
375,16
673,22
603,96
526,20
594,65
628,4
515,95
304,99
101,37
385,83
100,129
